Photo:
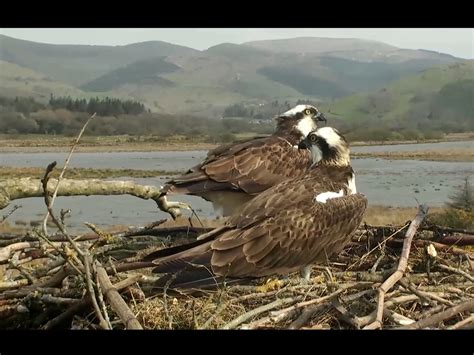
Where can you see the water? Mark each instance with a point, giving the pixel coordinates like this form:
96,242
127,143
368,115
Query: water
177,160
384,182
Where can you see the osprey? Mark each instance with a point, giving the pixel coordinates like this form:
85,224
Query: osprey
288,227
233,174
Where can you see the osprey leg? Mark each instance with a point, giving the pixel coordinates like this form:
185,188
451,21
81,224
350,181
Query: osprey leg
305,273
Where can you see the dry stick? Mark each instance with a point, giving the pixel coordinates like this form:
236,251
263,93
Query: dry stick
86,302
13,284
223,306
463,323
439,317
345,314
456,271
90,288
64,170
49,205
116,301
15,189
310,302
4,218
101,298
378,246
397,300
65,256
23,292
58,300
246,316
306,315
427,296
402,265
286,313
7,251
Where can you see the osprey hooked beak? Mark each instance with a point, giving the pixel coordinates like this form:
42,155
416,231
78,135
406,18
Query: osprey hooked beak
321,118
304,144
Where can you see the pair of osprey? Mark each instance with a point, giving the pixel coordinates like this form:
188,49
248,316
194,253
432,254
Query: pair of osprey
292,199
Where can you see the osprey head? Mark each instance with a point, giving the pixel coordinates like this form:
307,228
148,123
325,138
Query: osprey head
300,120
327,146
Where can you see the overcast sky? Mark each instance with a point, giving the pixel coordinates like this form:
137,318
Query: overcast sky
455,41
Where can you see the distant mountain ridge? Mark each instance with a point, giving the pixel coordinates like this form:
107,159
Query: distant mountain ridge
175,79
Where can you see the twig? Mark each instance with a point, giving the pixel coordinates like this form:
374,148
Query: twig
86,302
463,323
378,246
7,251
58,300
223,306
310,302
103,323
63,171
456,271
345,314
4,218
439,317
402,265
101,298
13,284
63,253
427,296
306,315
255,312
48,201
116,301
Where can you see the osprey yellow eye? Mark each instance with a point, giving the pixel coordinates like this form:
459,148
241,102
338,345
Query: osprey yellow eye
313,138
307,111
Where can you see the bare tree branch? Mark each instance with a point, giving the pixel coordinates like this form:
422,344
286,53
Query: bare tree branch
402,265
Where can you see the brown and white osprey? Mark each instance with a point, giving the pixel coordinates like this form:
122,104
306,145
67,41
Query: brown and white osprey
233,174
288,227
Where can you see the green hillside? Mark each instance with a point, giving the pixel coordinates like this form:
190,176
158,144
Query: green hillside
24,82
144,72
440,98
79,64
175,79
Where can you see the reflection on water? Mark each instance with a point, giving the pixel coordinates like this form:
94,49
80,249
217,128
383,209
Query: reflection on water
384,182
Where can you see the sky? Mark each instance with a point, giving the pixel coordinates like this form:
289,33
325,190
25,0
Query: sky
455,41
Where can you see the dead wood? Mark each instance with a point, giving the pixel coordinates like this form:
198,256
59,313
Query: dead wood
116,301
402,265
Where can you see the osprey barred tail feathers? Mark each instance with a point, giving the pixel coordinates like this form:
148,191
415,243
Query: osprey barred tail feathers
233,174
286,228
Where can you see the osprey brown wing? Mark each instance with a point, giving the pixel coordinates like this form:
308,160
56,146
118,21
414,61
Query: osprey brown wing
286,239
273,232
251,166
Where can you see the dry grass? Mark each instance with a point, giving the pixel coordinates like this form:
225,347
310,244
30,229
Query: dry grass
393,216
81,173
462,154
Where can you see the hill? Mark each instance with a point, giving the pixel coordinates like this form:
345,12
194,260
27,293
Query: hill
175,79
438,98
79,64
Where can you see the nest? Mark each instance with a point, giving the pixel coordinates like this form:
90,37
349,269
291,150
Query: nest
49,284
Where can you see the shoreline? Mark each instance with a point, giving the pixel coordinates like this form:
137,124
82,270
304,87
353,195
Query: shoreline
103,144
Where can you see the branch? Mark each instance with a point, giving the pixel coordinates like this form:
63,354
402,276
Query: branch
439,317
456,271
90,288
14,189
63,170
86,302
7,251
402,265
116,301
4,218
